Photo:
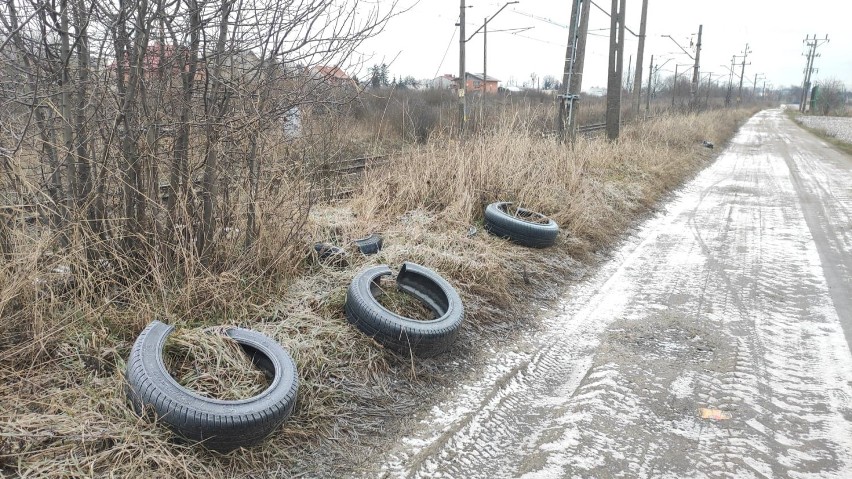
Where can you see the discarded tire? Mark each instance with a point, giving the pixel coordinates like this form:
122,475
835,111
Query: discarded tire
527,228
401,334
220,425
330,254
370,244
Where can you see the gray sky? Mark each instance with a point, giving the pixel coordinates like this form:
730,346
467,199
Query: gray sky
416,41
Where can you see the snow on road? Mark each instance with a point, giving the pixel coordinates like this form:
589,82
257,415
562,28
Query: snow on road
736,301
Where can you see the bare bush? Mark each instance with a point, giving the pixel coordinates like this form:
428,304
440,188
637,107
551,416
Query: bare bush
830,97
145,130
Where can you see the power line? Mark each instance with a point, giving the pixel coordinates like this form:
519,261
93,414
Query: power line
449,44
541,19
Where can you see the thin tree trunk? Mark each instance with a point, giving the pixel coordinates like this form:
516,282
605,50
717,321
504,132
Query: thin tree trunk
219,102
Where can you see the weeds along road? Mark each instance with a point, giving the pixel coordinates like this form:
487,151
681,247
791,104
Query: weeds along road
735,299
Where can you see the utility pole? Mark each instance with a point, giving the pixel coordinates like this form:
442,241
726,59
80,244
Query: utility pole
648,92
572,73
463,41
484,90
693,92
674,86
742,74
484,56
579,59
462,74
629,73
616,65
754,85
812,43
640,50
730,81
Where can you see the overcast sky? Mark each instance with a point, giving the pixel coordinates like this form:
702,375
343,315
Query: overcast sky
418,42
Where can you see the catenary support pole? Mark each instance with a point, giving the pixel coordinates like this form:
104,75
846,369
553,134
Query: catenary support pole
649,91
693,91
640,50
462,75
616,65
567,96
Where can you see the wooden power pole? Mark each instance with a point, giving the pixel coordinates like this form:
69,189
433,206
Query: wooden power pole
637,81
616,66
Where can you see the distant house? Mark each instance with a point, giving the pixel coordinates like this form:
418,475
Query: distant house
445,82
478,82
333,75
596,91
475,82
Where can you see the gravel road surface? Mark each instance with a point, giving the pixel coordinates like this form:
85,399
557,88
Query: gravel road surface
714,343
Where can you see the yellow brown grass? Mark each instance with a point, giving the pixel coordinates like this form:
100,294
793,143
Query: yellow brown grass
63,346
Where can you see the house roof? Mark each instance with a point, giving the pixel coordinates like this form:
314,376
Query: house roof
481,77
329,72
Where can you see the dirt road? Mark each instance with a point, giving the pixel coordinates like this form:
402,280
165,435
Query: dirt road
736,299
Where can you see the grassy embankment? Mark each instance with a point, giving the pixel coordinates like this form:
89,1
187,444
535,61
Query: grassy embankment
64,412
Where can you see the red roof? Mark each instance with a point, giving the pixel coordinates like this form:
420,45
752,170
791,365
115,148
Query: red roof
330,72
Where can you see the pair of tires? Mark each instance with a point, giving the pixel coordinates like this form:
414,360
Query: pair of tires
520,225
399,333
219,425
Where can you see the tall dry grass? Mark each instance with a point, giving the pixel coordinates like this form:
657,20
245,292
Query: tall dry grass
64,337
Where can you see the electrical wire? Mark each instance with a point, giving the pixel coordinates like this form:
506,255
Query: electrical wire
445,53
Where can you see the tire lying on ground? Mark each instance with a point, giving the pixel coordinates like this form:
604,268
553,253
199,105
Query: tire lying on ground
219,425
401,334
331,255
526,228
371,244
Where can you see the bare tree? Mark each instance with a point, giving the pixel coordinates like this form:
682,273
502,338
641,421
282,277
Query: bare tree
831,96
142,126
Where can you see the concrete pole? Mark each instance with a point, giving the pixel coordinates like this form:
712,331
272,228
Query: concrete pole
485,56
674,87
566,96
742,76
579,58
730,82
648,92
640,50
462,75
616,70
693,91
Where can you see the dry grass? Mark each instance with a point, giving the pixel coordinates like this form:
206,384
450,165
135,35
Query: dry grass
402,303
63,344
212,364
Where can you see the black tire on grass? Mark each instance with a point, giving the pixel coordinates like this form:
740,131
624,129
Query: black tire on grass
535,234
369,244
219,425
398,333
329,254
